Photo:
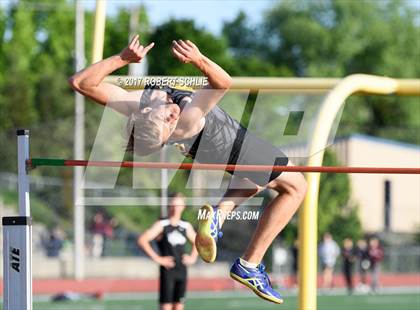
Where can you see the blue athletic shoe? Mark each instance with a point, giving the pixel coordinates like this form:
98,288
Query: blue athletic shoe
256,279
208,233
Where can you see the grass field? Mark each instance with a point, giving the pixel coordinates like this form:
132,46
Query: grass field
406,301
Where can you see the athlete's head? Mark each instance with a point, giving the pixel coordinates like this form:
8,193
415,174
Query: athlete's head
176,204
150,128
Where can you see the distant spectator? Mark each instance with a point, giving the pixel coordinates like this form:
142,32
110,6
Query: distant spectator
101,229
294,272
328,252
362,254
110,225
72,296
376,255
348,255
53,243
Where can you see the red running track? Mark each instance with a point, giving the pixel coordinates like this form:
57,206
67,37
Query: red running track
53,286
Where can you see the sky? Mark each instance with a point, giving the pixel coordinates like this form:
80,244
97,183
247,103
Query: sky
207,13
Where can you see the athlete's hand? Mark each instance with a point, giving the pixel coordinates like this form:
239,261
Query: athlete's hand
166,261
135,52
188,260
186,51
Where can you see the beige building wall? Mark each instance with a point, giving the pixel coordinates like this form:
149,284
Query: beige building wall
368,190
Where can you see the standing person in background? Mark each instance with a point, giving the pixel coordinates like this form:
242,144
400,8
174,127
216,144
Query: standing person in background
362,254
54,242
102,230
328,252
349,258
171,234
295,259
98,234
376,255
108,234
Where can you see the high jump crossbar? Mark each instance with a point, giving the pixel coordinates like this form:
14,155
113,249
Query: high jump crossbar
35,162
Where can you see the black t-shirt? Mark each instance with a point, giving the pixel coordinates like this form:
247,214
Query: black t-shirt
172,243
219,141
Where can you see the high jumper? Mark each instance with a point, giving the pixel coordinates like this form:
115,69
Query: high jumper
164,115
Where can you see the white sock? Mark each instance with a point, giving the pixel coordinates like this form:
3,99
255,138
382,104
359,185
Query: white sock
247,264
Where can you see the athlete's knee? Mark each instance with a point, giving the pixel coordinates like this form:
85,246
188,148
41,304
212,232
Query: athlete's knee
165,306
294,185
178,306
302,186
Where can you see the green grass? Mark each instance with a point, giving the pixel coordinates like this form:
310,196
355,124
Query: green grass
357,302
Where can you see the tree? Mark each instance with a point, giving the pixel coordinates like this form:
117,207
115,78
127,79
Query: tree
335,39
336,214
162,62
247,51
17,106
54,99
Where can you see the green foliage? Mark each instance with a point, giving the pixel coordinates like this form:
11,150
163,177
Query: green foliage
163,63
54,64
335,39
335,212
40,211
135,219
17,102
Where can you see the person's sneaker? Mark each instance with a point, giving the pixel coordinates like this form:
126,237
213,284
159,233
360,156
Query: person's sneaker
256,279
208,233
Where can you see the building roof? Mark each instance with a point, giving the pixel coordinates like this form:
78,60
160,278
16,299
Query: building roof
374,139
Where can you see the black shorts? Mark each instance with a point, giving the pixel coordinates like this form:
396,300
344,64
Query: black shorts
252,150
172,286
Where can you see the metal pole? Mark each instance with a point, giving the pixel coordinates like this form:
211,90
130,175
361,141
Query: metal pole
163,187
99,31
17,239
136,69
79,149
23,184
308,215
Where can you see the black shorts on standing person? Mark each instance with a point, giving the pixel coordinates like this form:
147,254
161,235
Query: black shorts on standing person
362,253
349,257
173,281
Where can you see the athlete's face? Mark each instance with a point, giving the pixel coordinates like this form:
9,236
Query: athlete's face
176,206
163,112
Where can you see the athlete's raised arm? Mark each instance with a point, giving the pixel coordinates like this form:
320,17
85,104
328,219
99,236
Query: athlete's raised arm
206,98
89,81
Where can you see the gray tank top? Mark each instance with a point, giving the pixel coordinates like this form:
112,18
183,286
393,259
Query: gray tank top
219,141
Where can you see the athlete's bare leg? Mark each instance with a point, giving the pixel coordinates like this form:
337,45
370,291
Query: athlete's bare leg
178,306
166,306
205,241
239,191
291,187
